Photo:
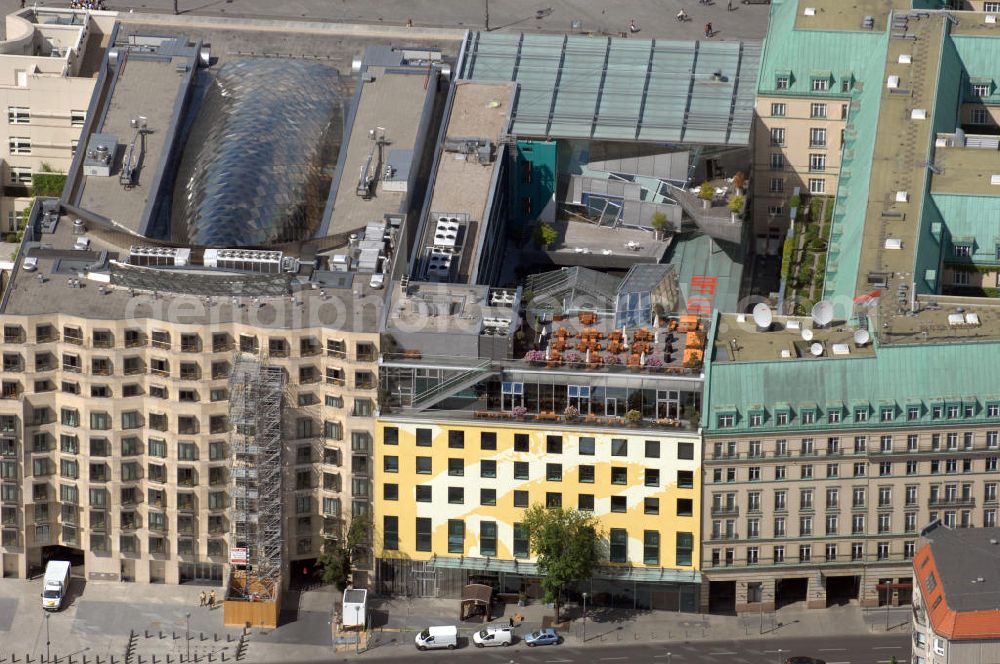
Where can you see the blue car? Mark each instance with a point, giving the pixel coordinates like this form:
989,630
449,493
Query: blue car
543,637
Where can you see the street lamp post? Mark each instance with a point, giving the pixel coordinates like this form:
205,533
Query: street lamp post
486,14
187,634
584,617
778,661
48,655
357,621
670,657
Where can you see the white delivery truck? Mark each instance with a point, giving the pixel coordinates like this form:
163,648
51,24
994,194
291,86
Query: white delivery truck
55,585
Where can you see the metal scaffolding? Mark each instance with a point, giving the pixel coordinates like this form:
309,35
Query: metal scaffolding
255,396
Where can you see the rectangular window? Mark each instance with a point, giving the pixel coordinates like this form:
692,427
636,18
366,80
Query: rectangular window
18,115
19,145
587,446
817,185
777,136
651,547
684,548
820,84
456,439
981,89
487,468
553,444
777,161
817,110
618,539
424,493
521,549
488,440
817,137
778,109
488,497
390,533
817,162
521,470
781,83
424,534
520,498
521,442
424,465
456,536
488,538
585,502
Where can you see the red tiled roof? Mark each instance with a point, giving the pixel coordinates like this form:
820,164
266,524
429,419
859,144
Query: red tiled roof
951,624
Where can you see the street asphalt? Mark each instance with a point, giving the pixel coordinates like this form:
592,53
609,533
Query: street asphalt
653,18
874,649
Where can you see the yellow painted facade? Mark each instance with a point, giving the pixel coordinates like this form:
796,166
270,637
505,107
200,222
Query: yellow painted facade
635,476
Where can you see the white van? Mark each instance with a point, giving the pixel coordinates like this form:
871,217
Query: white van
441,636
55,585
493,636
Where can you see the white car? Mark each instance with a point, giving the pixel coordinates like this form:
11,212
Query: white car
30,264
493,636
377,280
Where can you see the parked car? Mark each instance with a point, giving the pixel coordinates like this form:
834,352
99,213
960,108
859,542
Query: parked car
543,637
493,636
800,659
441,636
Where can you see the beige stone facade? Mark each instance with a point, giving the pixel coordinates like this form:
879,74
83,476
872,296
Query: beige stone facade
823,517
797,143
114,441
47,76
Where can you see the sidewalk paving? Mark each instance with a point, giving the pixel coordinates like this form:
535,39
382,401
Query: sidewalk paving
100,616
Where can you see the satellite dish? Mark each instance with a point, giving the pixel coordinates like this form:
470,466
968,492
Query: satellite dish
861,337
762,316
816,349
807,335
822,312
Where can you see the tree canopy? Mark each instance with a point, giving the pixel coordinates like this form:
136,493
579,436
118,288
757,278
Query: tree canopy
566,543
336,559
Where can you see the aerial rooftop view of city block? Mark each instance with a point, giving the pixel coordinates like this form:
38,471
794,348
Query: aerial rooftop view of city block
664,332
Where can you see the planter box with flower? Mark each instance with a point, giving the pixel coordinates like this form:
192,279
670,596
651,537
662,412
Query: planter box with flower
574,360
610,360
654,363
519,412
633,417
571,413
535,357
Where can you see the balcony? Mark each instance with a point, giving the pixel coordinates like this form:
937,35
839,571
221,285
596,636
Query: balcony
725,537
952,501
725,510
13,335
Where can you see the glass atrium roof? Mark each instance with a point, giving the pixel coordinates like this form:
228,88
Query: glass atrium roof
259,159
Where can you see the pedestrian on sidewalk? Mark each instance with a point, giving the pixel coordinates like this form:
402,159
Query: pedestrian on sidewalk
708,29
729,7
211,600
202,599
632,27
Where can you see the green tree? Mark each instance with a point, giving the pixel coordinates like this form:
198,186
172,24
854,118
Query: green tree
545,235
336,559
735,203
566,543
706,192
658,221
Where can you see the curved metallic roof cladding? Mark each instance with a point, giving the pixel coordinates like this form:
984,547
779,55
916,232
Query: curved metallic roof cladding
259,159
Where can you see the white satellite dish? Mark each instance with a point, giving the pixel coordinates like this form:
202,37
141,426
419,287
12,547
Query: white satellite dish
861,337
807,335
822,313
762,316
816,349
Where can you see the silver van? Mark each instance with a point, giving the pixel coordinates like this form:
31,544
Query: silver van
493,636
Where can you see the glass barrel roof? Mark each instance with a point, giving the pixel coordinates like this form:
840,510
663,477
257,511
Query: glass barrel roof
258,162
